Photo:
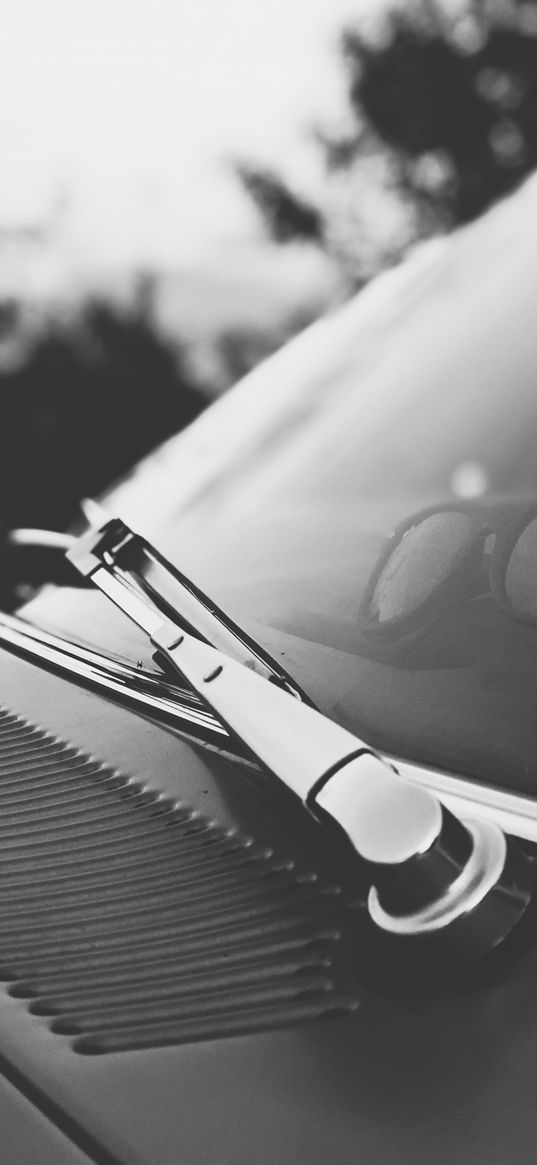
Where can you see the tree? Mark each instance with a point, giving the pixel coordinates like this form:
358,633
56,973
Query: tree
89,397
441,122
287,217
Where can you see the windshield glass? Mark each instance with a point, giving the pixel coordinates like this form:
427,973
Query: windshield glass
371,522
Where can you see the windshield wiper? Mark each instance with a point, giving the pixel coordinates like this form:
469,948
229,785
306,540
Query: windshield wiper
115,552
442,892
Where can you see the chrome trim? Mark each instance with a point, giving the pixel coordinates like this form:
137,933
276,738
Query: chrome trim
131,572
479,876
138,687
514,813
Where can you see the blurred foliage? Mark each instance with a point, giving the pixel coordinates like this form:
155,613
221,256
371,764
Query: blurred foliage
286,216
441,121
84,400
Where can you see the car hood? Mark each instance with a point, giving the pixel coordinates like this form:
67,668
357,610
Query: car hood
324,1057
307,1046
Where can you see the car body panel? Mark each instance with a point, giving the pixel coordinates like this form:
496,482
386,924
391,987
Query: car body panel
408,1071
28,1135
439,1074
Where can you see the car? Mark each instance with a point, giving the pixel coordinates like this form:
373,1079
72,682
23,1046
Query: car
267,756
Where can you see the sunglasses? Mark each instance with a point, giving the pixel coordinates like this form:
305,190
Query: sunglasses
448,554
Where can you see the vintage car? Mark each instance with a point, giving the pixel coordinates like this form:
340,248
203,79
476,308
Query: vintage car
268,757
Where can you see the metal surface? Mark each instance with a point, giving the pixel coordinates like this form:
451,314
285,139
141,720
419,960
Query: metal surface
141,689
444,892
478,878
174,703
292,740
130,921
134,568
367,794
438,1075
513,812
401,831
397,828
29,1136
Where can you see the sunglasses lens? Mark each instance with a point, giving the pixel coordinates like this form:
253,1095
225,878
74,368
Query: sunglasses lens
521,573
421,561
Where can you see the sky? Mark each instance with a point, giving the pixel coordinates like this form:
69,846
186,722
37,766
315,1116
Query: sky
117,117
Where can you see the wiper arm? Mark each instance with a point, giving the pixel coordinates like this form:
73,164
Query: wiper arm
442,892
114,551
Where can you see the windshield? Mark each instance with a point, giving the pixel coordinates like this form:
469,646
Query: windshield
425,644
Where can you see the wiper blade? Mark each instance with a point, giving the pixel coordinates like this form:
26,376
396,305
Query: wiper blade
113,557
440,889
297,743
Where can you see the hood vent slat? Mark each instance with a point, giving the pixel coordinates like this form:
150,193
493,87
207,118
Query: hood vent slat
127,921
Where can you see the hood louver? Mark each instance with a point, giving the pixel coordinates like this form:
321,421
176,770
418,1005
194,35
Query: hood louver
130,921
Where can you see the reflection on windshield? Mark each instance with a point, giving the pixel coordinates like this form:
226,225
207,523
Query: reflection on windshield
446,555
